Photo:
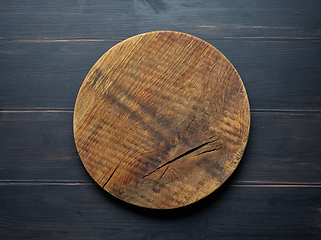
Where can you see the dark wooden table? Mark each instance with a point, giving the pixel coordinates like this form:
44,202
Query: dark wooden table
46,50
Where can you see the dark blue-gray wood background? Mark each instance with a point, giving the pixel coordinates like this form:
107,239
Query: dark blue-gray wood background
48,46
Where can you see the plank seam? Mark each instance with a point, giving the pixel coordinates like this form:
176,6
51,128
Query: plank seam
245,184
70,110
44,183
48,40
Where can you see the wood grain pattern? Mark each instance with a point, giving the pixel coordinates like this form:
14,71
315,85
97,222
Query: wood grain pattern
50,73
249,19
48,47
161,120
86,212
281,148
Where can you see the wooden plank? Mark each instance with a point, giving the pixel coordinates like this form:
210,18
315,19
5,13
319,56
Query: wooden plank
45,74
87,212
65,19
48,74
283,147
39,146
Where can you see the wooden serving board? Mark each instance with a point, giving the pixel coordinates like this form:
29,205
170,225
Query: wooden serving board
161,120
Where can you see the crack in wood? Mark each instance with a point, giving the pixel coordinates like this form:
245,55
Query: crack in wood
208,151
160,177
212,137
112,174
190,122
180,156
163,173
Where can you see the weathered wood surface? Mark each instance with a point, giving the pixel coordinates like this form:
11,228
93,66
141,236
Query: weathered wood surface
161,120
46,50
65,19
88,212
281,148
277,75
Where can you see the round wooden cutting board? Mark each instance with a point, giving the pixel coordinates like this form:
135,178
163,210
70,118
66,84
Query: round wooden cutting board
161,120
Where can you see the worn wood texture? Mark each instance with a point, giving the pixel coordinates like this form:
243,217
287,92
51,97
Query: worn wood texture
86,212
281,148
250,19
48,47
48,74
161,120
